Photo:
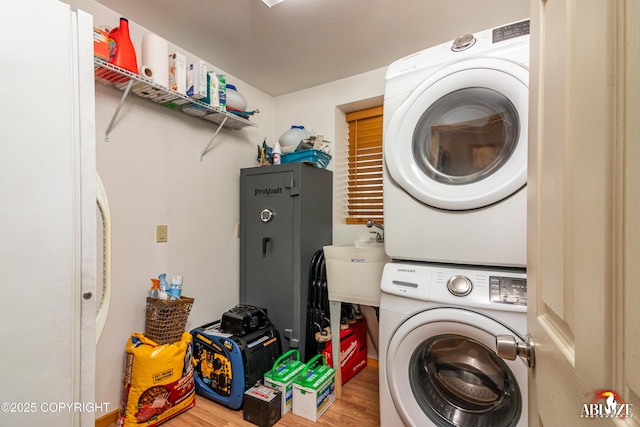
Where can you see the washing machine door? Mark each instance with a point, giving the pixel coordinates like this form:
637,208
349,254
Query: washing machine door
459,141
442,370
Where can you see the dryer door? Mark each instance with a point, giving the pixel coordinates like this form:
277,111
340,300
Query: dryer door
442,370
459,142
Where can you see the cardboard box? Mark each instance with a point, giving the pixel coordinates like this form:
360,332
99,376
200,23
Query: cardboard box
353,350
262,406
178,72
314,390
214,89
281,377
100,43
197,80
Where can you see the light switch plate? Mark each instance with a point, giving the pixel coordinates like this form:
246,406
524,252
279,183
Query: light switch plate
161,233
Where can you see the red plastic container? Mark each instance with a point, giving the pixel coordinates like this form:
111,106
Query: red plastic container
121,50
353,350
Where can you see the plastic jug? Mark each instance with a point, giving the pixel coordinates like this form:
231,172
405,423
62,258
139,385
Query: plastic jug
121,50
293,136
235,100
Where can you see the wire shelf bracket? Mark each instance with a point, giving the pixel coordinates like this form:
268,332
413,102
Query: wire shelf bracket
209,147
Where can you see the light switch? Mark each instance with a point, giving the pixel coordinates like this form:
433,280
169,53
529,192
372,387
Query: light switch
161,233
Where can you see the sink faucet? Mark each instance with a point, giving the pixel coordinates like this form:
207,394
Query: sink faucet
371,223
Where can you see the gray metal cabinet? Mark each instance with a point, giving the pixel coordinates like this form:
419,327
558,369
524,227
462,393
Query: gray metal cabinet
285,217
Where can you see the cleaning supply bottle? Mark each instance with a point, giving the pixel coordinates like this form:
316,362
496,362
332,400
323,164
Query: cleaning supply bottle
277,153
235,100
214,89
164,285
155,288
121,50
176,287
293,137
222,91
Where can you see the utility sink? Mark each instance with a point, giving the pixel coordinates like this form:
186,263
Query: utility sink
365,244
354,271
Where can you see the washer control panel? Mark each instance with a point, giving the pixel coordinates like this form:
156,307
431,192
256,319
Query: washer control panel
493,289
508,290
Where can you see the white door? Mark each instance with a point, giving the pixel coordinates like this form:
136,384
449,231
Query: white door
47,216
584,211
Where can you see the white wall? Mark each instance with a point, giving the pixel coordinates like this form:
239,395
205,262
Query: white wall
322,109
152,174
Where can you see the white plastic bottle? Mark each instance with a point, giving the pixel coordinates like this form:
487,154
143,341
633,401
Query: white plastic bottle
175,289
276,153
291,138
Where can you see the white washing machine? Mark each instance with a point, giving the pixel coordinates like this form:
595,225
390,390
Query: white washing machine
438,331
455,150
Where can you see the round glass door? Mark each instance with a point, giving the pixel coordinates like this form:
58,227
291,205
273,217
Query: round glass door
458,381
444,371
459,141
466,136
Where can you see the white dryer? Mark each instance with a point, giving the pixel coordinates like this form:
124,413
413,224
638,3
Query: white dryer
455,150
438,331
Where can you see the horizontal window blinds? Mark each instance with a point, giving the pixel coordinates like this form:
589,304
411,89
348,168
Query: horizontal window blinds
364,182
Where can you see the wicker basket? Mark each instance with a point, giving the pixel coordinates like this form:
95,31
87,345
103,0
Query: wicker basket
166,319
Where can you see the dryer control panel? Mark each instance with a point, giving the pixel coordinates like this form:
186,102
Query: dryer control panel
508,290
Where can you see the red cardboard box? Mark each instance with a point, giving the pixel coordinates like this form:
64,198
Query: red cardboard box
353,350
100,43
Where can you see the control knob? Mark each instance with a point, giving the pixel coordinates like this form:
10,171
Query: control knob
463,43
459,285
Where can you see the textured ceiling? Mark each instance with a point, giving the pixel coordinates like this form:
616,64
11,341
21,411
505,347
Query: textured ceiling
299,44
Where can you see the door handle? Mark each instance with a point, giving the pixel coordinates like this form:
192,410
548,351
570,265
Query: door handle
265,240
508,348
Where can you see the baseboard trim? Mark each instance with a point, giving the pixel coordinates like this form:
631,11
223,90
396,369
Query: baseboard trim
372,362
108,419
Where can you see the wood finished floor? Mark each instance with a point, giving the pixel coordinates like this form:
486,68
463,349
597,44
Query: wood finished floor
358,406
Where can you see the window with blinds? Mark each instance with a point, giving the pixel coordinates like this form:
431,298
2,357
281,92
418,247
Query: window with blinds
364,167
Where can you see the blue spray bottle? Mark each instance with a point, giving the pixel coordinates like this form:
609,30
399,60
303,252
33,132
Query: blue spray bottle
164,285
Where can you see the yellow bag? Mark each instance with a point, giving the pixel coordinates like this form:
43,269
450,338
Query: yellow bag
158,381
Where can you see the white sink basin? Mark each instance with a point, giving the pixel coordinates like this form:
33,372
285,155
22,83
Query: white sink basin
354,271
367,244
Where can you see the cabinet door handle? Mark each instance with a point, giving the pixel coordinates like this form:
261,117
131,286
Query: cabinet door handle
265,240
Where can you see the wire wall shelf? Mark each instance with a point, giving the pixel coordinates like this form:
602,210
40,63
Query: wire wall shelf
111,75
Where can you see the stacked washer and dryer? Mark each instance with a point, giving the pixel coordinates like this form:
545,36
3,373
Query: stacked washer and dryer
455,203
